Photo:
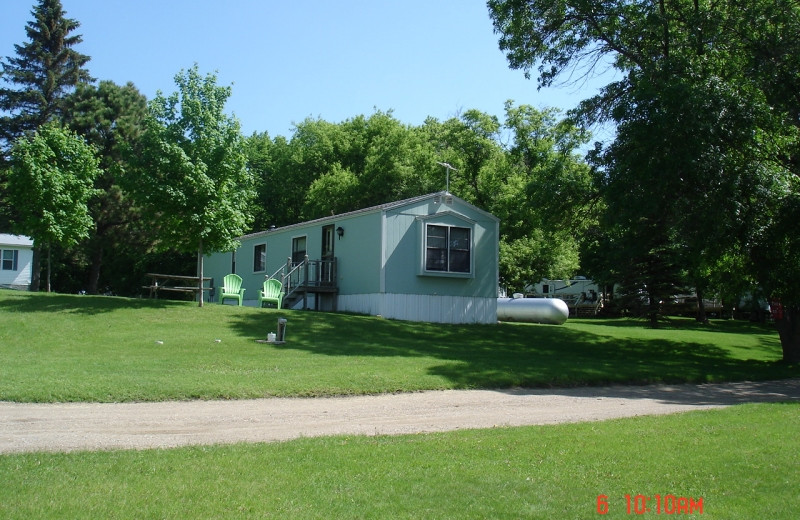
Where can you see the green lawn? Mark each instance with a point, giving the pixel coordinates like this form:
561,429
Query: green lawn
84,348
743,462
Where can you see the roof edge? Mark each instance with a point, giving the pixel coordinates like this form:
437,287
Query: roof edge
372,209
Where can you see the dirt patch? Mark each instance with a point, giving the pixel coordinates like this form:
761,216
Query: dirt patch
86,426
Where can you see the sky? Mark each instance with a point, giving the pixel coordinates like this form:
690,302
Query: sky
290,60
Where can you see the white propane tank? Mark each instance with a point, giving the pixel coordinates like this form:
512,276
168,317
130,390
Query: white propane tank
551,311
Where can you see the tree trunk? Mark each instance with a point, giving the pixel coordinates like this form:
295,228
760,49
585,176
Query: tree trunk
653,309
701,308
49,251
36,267
200,272
95,260
787,322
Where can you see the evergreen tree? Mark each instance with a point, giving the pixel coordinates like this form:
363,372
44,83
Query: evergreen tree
110,117
44,71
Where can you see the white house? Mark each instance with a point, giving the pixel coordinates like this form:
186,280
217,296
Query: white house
16,257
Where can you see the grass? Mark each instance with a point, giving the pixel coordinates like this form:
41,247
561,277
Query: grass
58,348
743,461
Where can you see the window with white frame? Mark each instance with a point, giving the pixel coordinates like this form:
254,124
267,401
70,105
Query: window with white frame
259,258
448,249
9,258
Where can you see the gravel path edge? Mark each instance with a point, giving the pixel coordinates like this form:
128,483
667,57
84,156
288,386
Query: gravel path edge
91,426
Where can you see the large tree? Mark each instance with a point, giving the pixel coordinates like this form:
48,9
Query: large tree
34,84
51,181
110,117
706,110
44,71
527,182
190,174
372,160
547,200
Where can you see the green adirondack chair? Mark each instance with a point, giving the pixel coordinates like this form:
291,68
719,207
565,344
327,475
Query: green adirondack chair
231,288
272,293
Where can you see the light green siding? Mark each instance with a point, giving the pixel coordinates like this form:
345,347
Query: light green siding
381,260
405,251
358,254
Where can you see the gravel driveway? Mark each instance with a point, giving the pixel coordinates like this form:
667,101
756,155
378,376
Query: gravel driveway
87,426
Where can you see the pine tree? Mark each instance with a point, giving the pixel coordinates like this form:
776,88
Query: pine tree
46,68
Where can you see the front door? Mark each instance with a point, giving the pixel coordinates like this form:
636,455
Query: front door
326,277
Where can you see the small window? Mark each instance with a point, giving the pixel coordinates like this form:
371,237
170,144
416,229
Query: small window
448,249
260,258
10,258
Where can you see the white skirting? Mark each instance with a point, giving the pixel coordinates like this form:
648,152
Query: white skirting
422,307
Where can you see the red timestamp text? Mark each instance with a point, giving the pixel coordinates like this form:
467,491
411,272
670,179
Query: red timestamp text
657,504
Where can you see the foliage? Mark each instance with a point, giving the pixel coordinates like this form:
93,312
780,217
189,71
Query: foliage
706,133
190,169
110,117
545,202
327,167
46,68
51,182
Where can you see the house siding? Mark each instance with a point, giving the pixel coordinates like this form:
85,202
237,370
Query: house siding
422,307
19,278
380,266
405,252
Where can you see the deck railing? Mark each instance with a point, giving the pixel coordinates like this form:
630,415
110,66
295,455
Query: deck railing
306,274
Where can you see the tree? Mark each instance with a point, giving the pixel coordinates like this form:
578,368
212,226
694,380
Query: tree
546,201
110,117
46,69
706,112
190,174
365,161
771,61
50,184
470,143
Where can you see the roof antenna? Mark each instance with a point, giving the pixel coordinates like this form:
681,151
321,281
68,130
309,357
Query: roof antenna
448,168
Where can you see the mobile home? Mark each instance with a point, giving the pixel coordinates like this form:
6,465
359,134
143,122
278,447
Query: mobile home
429,258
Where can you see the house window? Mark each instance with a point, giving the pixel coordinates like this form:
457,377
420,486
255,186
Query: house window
447,249
260,258
9,260
298,250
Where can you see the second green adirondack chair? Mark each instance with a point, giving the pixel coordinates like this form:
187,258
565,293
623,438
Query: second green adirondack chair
231,288
272,293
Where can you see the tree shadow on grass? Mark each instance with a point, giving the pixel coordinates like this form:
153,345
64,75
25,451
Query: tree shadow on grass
678,323
742,392
516,355
18,301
